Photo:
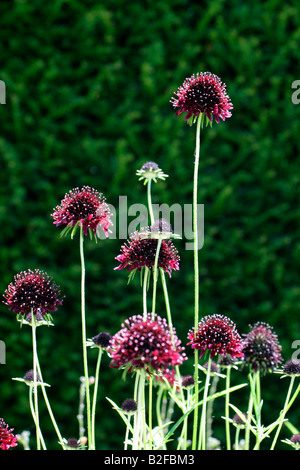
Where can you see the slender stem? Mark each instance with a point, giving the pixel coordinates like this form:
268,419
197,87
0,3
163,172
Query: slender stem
49,406
155,274
83,326
249,417
284,411
150,411
258,407
145,288
227,424
127,432
237,435
35,391
34,415
97,373
135,437
202,434
196,273
150,201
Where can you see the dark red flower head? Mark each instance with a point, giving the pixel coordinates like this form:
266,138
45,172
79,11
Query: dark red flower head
7,438
85,207
261,348
203,94
140,251
146,343
32,292
216,334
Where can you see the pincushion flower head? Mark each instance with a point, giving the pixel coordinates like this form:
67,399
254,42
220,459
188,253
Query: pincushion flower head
84,207
145,342
151,171
140,251
7,438
216,334
262,351
33,292
203,94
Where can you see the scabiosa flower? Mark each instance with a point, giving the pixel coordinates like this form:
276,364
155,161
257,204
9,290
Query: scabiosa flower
102,339
7,438
129,405
32,292
151,171
140,251
84,207
203,94
146,343
261,348
216,334
188,381
292,367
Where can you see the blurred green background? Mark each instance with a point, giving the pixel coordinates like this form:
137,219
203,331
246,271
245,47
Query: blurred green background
88,89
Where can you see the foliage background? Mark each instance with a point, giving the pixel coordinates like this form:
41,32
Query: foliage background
88,91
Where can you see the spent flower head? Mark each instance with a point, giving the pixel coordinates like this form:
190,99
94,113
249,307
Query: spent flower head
146,343
202,95
140,251
216,334
85,208
7,438
33,292
292,367
262,351
150,171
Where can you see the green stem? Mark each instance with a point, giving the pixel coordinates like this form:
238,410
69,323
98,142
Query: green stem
196,273
155,274
150,201
96,384
35,391
202,434
83,326
227,424
34,415
284,411
150,412
49,406
145,288
249,418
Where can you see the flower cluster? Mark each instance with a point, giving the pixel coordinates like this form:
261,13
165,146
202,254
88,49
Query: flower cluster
146,343
261,349
85,207
140,251
216,334
7,438
32,292
203,94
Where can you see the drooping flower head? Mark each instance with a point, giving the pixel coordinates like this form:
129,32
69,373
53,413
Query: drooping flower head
261,348
7,438
84,207
140,251
146,343
216,334
32,292
203,94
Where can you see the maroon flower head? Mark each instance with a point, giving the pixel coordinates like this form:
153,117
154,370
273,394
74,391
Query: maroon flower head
261,348
216,334
85,207
140,251
7,438
146,343
203,94
32,292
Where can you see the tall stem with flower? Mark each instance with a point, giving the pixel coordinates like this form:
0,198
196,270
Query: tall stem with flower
200,96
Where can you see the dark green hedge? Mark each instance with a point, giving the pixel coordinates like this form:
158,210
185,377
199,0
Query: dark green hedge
88,91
